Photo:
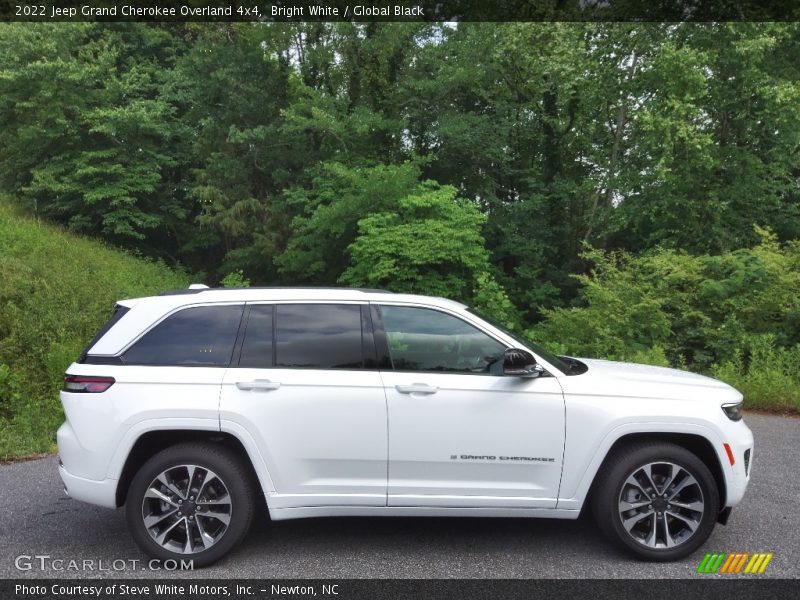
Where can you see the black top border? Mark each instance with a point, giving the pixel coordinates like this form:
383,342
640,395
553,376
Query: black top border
400,10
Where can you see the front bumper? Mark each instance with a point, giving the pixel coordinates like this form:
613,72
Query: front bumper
737,475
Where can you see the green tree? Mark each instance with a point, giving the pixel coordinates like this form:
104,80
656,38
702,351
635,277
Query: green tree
713,139
329,213
88,138
232,90
428,243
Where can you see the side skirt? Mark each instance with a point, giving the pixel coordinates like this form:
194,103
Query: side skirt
280,514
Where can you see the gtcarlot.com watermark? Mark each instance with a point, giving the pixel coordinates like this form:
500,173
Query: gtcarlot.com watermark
46,562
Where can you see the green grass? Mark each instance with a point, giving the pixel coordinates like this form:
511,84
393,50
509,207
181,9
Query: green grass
56,290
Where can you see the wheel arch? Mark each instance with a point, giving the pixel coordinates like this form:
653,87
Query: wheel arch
149,443
695,443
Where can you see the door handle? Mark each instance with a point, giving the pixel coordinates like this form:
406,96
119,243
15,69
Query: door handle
416,388
258,384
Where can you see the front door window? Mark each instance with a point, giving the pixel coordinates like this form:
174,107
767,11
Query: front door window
422,339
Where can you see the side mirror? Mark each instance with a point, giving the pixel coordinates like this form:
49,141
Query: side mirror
520,363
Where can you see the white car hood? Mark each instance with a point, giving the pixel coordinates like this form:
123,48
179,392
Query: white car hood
609,378
636,372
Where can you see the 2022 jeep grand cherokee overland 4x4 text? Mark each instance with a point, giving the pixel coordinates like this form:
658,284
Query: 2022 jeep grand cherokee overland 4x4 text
187,406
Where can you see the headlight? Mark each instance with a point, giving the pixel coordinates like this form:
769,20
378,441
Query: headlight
734,411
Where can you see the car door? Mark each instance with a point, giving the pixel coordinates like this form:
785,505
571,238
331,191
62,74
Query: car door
306,387
461,434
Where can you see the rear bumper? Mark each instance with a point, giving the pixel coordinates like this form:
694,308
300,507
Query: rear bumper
81,461
101,493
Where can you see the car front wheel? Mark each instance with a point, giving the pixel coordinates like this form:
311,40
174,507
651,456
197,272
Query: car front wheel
658,500
192,501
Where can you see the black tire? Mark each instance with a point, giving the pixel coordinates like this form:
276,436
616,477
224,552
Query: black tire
607,500
232,476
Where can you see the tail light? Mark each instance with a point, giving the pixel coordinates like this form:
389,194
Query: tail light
86,384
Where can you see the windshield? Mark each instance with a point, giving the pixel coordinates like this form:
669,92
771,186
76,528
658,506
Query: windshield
525,341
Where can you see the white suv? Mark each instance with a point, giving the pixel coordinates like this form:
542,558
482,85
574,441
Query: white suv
189,406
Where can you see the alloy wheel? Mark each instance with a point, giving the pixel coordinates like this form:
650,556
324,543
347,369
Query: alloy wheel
661,505
187,509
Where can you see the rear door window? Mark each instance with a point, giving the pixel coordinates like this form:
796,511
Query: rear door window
318,336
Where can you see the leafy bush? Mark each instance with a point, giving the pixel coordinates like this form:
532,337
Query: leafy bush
56,290
235,279
767,375
736,315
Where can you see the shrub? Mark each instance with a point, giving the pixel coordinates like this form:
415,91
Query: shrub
767,375
736,315
235,279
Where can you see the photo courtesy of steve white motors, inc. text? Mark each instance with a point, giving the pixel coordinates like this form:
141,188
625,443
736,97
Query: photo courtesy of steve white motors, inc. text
244,10
164,589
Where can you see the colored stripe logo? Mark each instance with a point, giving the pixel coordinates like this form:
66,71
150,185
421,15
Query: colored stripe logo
734,563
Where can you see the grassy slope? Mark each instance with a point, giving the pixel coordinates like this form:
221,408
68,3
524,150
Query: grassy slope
56,289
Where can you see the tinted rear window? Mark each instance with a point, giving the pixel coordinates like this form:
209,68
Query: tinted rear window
318,336
198,336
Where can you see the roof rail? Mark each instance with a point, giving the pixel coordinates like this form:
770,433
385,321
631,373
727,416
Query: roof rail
196,288
183,291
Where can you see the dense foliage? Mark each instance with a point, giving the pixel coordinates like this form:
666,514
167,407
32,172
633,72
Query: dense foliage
735,315
276,149
608,185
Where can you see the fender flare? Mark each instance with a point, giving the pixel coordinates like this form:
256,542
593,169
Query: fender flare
137,430
576,501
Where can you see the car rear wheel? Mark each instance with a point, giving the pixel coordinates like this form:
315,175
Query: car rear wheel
658,500
192,501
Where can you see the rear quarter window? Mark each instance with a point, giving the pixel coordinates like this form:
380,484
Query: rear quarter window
198,336
119,312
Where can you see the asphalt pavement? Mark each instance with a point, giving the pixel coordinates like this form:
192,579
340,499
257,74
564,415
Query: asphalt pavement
39,521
